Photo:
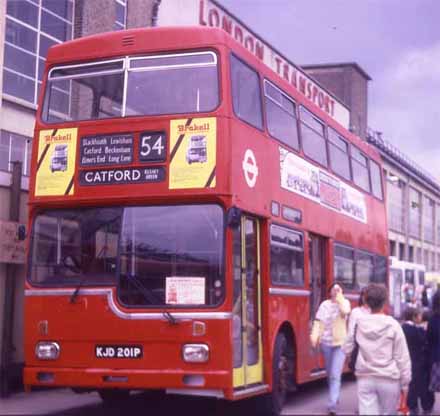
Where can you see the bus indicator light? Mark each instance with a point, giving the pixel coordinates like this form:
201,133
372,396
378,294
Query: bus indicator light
199,328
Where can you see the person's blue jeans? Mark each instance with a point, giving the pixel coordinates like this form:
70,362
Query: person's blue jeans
334,363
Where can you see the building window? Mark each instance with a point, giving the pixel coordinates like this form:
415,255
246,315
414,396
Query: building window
415,213
401,251
32,26
428,219
15,147
280,115
411,254
392,248
396,206
426,259
419,255
438,224
313,137
120,15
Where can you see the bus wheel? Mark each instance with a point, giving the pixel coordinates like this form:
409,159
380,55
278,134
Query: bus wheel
281,373
113,397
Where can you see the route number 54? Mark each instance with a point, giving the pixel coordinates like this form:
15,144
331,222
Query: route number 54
152,147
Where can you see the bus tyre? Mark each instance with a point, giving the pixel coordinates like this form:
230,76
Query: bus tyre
275,400
113,397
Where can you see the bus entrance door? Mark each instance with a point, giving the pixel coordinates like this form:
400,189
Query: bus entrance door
247,343
318,286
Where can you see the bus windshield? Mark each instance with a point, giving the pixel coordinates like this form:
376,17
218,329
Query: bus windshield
153,85
166,255
71,245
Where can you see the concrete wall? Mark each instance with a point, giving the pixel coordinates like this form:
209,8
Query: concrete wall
139,13
20,274
98,16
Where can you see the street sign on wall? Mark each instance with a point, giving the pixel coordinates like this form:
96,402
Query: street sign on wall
12,250
210,13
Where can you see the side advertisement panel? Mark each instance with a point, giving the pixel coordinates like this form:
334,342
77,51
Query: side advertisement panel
307,180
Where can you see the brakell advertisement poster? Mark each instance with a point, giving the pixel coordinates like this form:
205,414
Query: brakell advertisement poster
193,153
56,162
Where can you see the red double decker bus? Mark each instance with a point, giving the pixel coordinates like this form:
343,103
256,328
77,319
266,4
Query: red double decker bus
188,210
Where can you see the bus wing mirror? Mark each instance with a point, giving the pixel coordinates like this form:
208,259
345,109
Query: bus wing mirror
233,217
21,232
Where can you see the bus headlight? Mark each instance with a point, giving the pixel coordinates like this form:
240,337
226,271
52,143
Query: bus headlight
47,350
195,353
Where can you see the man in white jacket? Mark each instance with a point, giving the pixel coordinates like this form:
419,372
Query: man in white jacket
383,365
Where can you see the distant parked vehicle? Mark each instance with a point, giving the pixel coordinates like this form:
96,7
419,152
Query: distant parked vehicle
407,280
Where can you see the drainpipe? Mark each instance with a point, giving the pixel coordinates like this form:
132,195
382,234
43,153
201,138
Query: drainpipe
155,12
7,346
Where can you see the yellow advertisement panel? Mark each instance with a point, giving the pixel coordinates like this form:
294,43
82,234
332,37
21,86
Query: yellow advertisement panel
193,153
56,162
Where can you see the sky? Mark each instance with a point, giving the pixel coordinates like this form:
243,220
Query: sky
396,42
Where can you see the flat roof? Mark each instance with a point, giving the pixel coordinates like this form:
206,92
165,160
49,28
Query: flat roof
337,65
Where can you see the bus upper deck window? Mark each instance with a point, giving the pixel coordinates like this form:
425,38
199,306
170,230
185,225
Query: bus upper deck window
84,92
183,83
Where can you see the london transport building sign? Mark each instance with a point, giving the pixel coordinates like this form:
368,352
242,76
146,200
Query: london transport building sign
209,13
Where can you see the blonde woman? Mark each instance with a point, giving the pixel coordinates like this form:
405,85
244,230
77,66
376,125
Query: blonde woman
330,330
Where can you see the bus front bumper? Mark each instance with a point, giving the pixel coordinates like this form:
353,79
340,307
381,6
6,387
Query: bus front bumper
101,378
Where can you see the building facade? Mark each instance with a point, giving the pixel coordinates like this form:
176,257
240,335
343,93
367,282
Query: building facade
28,28
413,207
413,195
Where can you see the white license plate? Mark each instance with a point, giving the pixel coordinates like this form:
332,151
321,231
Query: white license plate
118,351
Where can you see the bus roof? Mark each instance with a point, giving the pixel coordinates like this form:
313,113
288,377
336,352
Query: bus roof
135,41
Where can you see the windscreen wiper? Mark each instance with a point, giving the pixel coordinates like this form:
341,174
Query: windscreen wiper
75,267
151,298
77,289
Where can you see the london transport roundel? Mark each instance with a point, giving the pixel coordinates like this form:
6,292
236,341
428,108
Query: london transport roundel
250,168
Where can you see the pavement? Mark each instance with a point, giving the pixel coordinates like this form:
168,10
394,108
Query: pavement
45,402
309,400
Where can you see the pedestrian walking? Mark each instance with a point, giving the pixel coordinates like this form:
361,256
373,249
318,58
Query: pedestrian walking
383,366
416,339
329,331
433,336
358,312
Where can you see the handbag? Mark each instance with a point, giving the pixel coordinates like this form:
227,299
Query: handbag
403,407
354,353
